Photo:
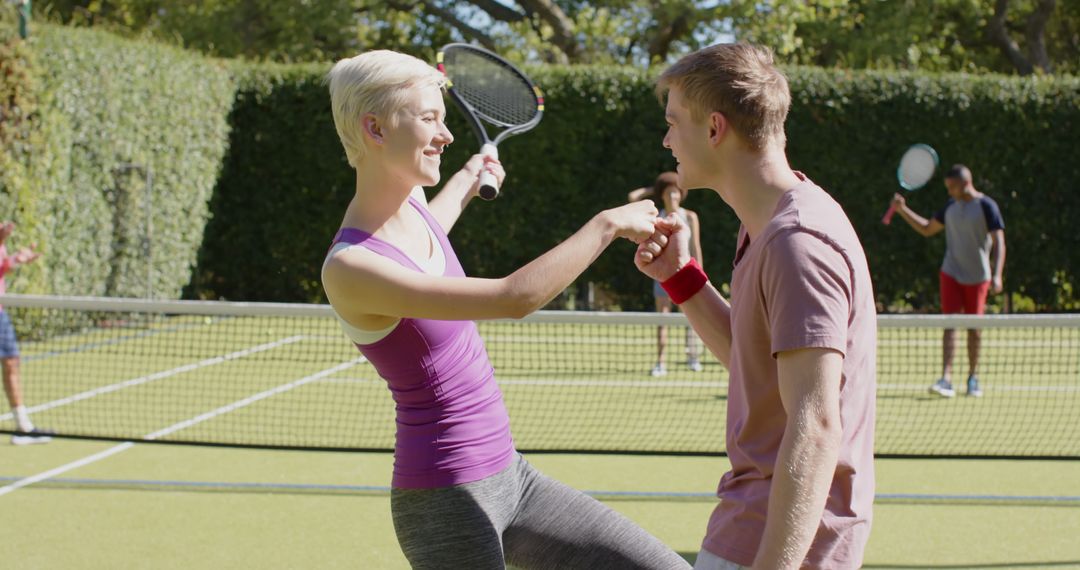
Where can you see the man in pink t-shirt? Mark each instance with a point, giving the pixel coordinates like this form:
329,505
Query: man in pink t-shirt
799,334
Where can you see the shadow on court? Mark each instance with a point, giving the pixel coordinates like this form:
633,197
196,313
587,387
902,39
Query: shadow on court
976,501
690,557
700,400
203,487
1048,564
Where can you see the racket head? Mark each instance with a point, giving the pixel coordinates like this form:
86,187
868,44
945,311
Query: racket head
491,89
917,166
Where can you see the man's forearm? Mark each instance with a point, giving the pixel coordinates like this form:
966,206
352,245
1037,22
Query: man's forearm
710,316
809,381
917,222
999,257
800,487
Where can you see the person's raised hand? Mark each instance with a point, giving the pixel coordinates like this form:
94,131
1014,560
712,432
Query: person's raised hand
27,254
666,251
478,163
635,221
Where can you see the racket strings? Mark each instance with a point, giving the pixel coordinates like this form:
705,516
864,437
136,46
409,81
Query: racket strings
494,91
916,168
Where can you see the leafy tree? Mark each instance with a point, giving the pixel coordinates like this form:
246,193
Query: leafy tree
257,29
568,31
1011,36
956,35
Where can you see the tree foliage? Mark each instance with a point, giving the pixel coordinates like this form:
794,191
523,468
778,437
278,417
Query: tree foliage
947,35
258,29
1010,36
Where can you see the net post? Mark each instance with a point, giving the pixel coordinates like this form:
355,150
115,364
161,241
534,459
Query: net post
23,7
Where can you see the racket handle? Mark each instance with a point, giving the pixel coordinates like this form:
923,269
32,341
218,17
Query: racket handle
887,218
489,185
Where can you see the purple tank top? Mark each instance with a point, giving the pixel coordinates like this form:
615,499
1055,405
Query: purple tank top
452,426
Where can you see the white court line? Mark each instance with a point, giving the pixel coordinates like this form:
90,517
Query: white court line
986,343
552,341
935,342
992,387
572,382
64,468
156,376
252,399
612,383
692,384
177,427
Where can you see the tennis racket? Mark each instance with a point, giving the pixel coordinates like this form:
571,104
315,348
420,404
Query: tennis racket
916,168
489,89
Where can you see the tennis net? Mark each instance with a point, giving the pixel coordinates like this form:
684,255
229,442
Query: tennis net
284,376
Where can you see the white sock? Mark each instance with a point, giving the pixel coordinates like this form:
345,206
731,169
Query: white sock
22,419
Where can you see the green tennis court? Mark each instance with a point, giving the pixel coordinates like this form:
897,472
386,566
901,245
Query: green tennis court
283,376
155,506
277,375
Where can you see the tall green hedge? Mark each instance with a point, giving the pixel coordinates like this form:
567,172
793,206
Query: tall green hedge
88,116
126,148
280,189
1018,136
20,134
286,182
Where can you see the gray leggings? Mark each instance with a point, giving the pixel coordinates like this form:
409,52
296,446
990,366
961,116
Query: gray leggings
521,517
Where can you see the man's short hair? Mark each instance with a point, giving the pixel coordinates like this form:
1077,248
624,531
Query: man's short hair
738,80
376,82
958,172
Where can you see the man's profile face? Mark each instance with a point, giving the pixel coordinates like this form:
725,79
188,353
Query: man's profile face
955,187
687,139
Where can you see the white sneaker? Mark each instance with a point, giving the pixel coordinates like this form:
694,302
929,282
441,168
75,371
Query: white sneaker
942,388
694,364
31,437
659,370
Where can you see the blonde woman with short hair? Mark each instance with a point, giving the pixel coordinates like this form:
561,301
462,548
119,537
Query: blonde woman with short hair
461,496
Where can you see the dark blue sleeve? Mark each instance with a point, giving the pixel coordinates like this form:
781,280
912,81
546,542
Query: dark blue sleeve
992,214
940,214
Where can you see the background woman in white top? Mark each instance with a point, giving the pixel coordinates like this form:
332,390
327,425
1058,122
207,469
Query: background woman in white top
667,191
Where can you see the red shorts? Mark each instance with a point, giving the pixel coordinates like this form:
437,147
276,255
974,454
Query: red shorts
959,298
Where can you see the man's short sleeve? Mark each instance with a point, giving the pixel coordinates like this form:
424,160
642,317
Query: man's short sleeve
806,284
940,214
994,221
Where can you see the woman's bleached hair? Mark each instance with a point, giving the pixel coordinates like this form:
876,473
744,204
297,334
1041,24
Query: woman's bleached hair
376,82
738,80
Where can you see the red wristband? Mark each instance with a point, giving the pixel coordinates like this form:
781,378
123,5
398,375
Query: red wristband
686,282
